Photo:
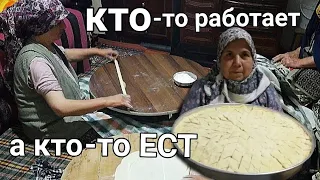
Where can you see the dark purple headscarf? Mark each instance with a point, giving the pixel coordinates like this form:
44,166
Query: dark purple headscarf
25,19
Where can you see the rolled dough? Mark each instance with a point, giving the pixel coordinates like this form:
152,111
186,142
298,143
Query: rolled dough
134,167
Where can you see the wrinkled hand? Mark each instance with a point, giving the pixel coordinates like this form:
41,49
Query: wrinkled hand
109,53
121,100
291,63
288,61
279,57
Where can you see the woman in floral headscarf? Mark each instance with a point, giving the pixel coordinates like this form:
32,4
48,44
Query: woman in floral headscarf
46,87
235,78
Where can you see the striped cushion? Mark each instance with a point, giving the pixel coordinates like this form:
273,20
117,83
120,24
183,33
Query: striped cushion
75,36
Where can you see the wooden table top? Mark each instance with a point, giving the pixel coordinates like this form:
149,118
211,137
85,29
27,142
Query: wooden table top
92,165
149,82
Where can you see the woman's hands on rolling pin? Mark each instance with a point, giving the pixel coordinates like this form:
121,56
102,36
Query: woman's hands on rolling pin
119,100
109,53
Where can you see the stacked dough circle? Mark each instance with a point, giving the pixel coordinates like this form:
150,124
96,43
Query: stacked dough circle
245,139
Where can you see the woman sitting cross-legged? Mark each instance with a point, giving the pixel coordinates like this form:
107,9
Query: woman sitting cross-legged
49,99
235,78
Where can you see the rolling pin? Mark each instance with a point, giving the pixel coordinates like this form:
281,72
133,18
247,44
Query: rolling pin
122,84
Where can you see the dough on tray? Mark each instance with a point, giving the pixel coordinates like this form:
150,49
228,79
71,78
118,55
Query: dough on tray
245,139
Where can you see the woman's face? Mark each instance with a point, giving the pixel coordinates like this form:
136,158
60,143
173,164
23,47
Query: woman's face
57,31
236,61
54,33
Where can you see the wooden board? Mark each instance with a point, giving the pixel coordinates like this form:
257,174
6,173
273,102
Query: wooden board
91,165
149,82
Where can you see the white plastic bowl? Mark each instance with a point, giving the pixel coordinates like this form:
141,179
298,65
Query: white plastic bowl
184,78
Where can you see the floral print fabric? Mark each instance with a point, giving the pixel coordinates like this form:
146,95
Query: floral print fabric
25,19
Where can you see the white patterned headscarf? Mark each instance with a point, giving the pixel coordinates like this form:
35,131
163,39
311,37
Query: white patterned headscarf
233,34
256,89
220,89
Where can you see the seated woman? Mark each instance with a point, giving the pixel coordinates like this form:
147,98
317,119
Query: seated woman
46,87
304,63
235,78
306,55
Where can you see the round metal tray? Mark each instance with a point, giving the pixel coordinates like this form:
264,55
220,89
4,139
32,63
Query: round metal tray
219,174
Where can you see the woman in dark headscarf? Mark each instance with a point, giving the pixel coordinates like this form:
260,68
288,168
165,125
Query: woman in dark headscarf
235,78
48,96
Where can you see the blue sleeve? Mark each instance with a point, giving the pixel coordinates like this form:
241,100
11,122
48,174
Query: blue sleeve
313,27
316,49
194,97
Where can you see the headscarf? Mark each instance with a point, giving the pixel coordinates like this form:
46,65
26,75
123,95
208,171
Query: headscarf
218,89
25,19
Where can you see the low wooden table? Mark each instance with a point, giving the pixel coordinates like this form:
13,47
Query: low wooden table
149,82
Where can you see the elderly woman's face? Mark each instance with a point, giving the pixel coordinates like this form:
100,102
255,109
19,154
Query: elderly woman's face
236,61
54,33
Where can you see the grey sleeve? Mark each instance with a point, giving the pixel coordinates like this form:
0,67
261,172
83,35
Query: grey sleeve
194,97
273,100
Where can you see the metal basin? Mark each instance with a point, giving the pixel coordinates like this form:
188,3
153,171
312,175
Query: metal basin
218,174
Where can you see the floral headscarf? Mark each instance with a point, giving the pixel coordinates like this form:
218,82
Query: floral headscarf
25,19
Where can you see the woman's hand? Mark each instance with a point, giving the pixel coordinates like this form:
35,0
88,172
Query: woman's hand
79,54
288,61
279,57
291,62
69,107
119,100
293,54
109,53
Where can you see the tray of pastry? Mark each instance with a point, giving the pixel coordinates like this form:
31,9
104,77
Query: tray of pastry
237,141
